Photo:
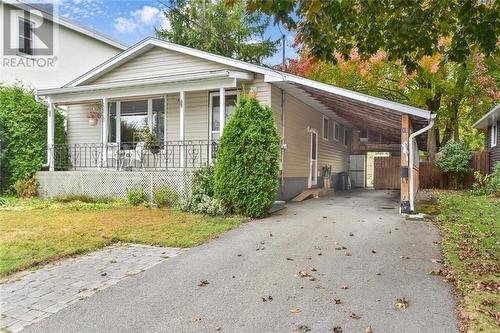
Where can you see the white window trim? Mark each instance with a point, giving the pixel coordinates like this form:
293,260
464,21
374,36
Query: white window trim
210,100
345,142
310,182
335,124
494,135
325,136
32,35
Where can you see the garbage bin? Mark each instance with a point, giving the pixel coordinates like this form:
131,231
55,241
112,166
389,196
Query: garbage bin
344,182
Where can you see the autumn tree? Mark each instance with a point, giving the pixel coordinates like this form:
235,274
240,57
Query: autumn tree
407,31
214,27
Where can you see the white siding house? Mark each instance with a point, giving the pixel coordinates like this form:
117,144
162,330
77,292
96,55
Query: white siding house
57,49
177,92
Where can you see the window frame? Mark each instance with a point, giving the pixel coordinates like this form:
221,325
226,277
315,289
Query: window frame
211,95
494,134
325,135
20,48
336,131
346,136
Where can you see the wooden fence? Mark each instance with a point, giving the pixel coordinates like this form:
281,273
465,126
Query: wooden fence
431,177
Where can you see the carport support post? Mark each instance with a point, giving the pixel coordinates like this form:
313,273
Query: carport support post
405,186
50,135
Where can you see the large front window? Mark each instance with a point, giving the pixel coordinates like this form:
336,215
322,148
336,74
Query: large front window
134,117
231,102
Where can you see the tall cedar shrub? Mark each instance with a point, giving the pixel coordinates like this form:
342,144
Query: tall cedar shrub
246,171
23,130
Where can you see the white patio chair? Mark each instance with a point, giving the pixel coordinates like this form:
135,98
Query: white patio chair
136,155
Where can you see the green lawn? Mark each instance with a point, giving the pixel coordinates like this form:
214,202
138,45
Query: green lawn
38,232
471,246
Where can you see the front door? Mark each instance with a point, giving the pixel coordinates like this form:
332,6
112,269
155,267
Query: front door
357,170
313,167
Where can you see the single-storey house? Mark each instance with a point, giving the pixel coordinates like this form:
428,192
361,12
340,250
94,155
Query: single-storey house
184,97
490,123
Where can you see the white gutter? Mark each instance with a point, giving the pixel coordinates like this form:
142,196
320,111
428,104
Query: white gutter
410,152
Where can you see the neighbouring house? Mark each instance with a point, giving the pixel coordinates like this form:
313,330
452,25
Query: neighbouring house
185,96
490,124
41,49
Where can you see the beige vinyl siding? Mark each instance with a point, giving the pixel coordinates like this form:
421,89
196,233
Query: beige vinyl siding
79,130
276,106
195,116
298,116
158,62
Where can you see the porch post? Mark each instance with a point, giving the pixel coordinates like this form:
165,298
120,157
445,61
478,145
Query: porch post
105,118
50,136
181,128
222,110
405,186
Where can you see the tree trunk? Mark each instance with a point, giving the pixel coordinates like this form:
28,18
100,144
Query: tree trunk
433,134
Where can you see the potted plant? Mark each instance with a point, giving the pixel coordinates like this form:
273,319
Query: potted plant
93,117
150,141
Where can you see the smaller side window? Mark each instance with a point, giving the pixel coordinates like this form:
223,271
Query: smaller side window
346,137
337,131
326,126
494,135
26,38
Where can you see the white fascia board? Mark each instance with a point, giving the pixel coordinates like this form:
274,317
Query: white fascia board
69,24
394,106
143,82
80,97
487,119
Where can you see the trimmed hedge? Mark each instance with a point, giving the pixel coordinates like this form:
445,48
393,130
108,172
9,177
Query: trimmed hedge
247,167
23,135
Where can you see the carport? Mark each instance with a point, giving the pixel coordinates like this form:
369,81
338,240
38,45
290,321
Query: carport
378,126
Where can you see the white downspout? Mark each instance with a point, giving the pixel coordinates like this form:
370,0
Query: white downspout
410,152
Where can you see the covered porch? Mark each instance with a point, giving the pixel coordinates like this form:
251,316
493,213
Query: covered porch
158,124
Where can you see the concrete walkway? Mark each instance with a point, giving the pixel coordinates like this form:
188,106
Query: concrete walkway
356,254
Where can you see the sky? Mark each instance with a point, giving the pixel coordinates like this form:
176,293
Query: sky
130,21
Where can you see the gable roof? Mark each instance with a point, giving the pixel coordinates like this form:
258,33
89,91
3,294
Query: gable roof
271,75
62,21
488,119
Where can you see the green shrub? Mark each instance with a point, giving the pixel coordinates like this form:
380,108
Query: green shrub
247,167
23,134
165,197
136,197
487,184
202,204
204,180
454,160
27,188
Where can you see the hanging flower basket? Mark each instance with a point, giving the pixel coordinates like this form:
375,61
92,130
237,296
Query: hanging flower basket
94,117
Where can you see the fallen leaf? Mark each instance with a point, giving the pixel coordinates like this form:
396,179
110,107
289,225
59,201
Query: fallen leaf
354,316
309,258
312,269
401,303
324,217
437,261
218,328
104,274
337,329
320,254
302,328
344,286
312,278
404,257
348,254
304,274
373,251
203,283
351,234
338,301
195,319
270,235
369,329
379,274
270,298
239,255
264,299
436,272
289,259
295,311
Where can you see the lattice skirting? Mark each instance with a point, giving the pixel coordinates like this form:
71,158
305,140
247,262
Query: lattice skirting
112,184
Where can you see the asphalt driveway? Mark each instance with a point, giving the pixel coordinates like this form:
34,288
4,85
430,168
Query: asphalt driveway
353,249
